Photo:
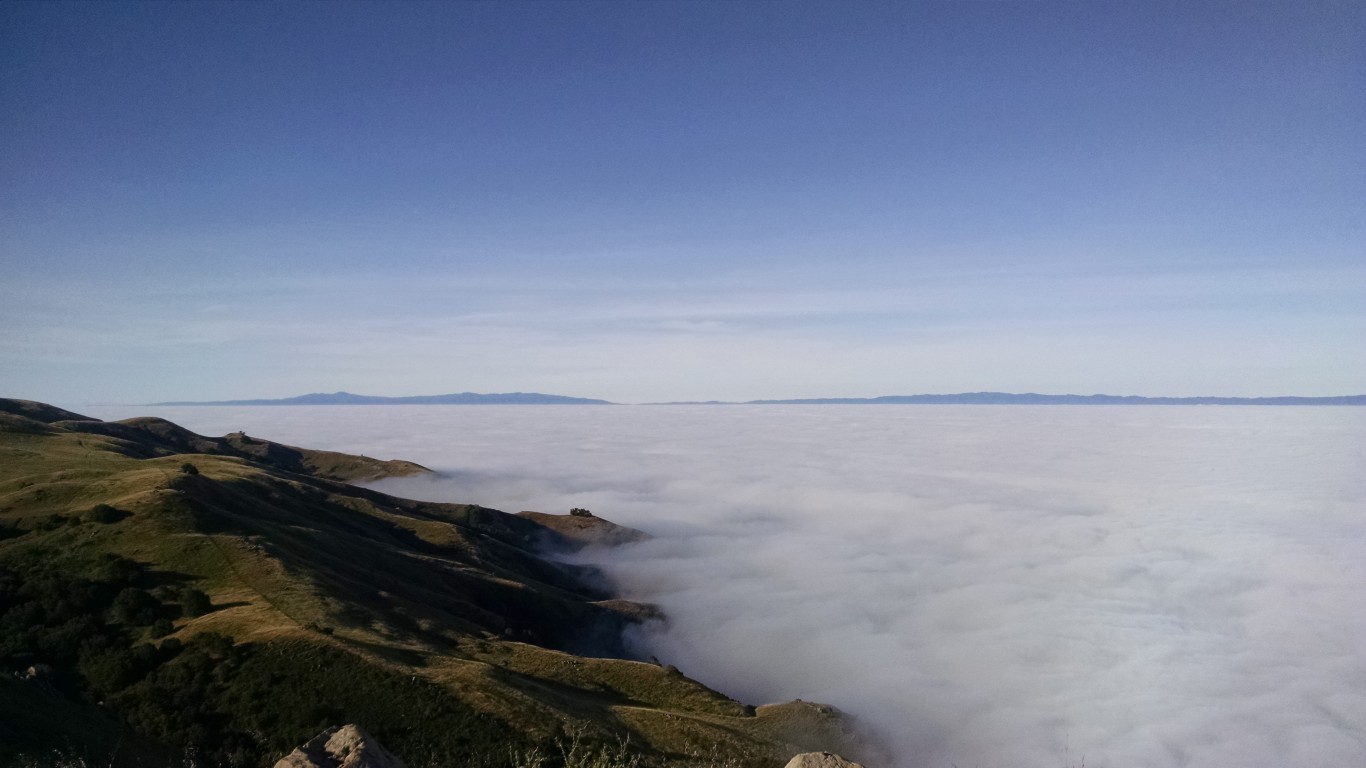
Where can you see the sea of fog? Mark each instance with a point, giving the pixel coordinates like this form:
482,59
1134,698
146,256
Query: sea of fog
980,586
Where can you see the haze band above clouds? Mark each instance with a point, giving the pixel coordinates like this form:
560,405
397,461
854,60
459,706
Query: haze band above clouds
991,586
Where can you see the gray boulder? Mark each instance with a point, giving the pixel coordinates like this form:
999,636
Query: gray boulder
820,760
345,746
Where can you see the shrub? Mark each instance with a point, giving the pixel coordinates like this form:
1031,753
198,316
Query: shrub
112,669
134,607
194,603
103,513
579,512
53,522
189,468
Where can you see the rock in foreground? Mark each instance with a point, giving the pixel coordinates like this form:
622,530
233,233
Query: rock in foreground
346,746
815,760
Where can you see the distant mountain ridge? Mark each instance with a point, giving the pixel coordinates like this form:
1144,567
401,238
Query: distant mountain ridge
462,398
961,398
1031,398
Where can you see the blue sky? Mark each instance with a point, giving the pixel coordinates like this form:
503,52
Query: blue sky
655,201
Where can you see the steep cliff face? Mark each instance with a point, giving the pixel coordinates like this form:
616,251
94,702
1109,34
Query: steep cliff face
229,596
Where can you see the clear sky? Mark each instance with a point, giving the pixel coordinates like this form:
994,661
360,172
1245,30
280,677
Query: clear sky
657,201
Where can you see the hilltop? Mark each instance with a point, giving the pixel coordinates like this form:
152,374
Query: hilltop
165,595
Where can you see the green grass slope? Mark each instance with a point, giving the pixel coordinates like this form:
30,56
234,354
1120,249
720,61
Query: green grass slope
167,596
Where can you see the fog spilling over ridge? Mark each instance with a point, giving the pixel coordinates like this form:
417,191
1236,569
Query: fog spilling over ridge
1032,586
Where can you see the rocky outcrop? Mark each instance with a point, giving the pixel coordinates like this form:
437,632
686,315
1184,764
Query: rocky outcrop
816,760
346,746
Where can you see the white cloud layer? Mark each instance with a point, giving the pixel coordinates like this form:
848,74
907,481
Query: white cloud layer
982,586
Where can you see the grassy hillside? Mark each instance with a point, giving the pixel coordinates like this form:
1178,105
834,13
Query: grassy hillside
166,595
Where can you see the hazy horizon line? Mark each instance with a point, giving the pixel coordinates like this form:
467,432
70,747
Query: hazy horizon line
983,397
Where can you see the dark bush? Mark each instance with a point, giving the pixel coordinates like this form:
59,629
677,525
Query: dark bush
115,570
112,669
103,513
189,468
53,522
134,607
194,603
579,512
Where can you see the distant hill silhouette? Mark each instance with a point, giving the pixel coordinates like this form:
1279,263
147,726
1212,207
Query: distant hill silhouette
463,398
962,398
